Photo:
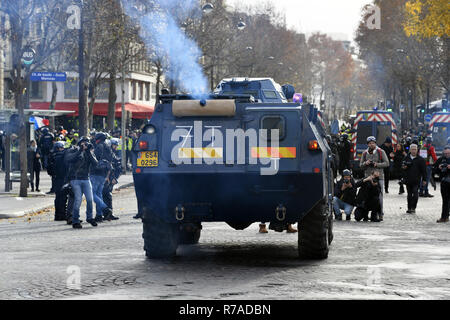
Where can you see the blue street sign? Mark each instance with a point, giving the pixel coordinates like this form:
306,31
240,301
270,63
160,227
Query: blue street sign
428,118
49,76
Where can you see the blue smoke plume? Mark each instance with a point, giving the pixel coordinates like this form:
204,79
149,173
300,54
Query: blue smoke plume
163,36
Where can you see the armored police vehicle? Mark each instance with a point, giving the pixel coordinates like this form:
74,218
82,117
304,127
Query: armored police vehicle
241,155
440,130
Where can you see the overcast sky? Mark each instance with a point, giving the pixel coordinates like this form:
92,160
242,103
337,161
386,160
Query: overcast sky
339,18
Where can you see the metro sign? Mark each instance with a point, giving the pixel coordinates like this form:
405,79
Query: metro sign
28,56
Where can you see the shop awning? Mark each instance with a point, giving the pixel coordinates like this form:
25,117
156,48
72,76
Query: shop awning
100,109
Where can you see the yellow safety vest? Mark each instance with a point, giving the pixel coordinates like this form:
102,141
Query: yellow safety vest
130,144
119,147
68,143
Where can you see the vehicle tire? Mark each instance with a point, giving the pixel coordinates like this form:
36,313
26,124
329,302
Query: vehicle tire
313,237
160,238
191,236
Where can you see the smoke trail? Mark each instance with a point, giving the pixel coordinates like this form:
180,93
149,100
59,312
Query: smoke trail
161,33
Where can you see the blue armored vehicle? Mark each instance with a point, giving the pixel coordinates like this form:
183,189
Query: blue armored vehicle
241,155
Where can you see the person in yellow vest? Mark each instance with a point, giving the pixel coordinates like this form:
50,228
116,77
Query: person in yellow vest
69,139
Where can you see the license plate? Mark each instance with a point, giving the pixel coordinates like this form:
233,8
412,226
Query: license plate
148,159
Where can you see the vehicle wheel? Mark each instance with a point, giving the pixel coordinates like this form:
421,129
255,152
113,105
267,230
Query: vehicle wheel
313,237
160,238
189,234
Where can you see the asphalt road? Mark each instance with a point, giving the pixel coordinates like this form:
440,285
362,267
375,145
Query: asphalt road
405,257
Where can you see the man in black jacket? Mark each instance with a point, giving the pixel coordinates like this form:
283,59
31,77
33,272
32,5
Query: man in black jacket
368,198
415,169
58,170
344,196
100,174
46,146
443,167
344,153
113,178
81,163
34,164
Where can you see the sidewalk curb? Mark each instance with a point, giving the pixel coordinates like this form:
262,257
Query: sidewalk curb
21,214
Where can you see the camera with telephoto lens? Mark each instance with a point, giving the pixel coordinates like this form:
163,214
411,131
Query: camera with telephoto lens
376,180
346,181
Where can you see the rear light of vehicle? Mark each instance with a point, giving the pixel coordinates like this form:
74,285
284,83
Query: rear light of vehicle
352,150
313,145
316,170
143,145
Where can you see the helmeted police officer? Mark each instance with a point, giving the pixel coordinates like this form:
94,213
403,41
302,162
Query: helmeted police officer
46,146
112,180
100,174
58,171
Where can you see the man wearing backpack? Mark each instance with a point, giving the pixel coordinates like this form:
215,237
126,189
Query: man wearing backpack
374,159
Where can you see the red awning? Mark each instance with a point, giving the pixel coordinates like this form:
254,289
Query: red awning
100,109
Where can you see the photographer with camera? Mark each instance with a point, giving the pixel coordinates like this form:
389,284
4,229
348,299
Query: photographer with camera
368,198
442,166
344,196
81,162
415,169
374,159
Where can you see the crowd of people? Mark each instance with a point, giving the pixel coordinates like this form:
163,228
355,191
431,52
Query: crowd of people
413,162
78,166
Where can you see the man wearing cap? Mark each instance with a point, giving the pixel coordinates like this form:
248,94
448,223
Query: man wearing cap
430,159
374,159
387,147
344,196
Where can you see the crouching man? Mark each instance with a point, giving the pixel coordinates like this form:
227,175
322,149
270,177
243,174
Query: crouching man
344,196
368,198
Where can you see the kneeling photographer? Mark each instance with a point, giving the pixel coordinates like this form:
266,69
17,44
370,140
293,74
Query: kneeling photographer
368,198
344,196
415,169
442,166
